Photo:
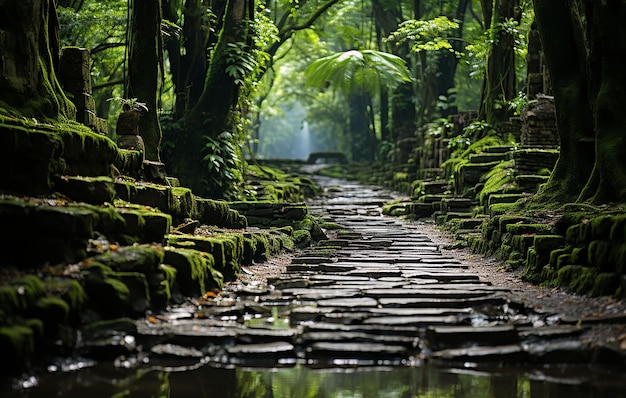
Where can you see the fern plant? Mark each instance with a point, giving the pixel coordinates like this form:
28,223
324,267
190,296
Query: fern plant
223,162
367,70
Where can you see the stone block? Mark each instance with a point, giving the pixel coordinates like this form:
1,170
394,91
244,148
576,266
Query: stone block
544,244
599,255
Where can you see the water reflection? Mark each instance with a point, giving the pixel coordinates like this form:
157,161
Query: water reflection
303,382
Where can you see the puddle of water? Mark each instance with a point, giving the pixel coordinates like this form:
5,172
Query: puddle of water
303,382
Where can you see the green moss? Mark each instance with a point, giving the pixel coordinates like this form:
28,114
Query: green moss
503,208
286,243
17,344
106,293
29,288
195,271
605,284
554,257
544,244
331,225
141,258
310,224
53,312
37,326
577,278
533,267
520,229
70,290
498,180
599,255
601,227
302,237
618,257
9,301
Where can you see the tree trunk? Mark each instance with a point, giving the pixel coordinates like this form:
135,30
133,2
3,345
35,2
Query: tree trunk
500,80
361,142
212,113
608,82
565,55
145,59
29,44
448,61
403,112
187,53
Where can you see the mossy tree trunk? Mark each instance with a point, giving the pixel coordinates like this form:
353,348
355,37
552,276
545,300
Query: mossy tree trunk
145,63
387,16
565,54
212,113
500,83
29,44
362,141
583,53
187,51
608,82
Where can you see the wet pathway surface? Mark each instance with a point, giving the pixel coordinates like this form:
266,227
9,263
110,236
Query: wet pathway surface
378,292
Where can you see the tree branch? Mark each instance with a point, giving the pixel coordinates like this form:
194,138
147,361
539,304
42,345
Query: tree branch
105,46
108,84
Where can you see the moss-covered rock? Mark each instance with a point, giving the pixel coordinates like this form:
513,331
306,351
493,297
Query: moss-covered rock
94,190
157,196
576,277
605,284
599,255
17,344
106,294
52,311
226,248
520,229
195,272
544,244
141,258
69,290
601,227
30,289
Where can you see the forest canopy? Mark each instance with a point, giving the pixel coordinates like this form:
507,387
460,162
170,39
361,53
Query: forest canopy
224,82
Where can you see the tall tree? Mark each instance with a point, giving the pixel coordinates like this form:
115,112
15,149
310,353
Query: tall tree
565,54
388,14
500,84
211,116
582,53
214,107
30,51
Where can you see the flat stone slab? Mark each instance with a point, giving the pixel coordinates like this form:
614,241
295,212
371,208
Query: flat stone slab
417,320
319,293
415,302
428,292
278,347
512,353
451,336
358,302
334,336
360,349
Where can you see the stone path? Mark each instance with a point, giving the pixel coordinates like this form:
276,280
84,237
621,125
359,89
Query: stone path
380,292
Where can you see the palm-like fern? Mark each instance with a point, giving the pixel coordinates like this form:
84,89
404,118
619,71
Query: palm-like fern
352,70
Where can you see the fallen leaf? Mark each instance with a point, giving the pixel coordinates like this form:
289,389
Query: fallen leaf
152,320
